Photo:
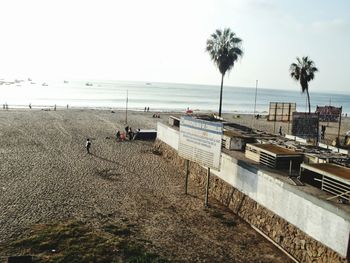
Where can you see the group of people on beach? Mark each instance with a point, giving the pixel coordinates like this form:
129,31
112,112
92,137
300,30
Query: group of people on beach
54,108
121,136
146,109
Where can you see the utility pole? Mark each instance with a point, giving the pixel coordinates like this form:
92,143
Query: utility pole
126,108
340,113
256,92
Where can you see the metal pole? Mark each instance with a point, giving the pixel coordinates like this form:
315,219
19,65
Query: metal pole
339,126
274,123
289,116
187,172
318,128
126,108
327,111
256,92
207,188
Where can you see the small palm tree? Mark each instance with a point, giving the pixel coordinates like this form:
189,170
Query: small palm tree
303,71
224,48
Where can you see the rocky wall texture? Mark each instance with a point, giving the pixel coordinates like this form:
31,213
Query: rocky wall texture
289,237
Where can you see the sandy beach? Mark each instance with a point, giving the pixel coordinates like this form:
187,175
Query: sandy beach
47,176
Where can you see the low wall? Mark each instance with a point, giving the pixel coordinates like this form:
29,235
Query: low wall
307,227
168,135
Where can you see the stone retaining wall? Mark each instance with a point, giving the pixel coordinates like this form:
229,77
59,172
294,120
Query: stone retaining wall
290,238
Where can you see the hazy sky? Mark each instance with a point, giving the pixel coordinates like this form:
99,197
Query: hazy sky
160,40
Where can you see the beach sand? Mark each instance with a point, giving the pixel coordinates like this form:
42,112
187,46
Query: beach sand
46,176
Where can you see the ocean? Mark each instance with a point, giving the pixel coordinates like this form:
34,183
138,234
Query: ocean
158,96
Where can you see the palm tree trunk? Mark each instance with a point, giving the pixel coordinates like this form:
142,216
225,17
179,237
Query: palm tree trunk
222,84
308,99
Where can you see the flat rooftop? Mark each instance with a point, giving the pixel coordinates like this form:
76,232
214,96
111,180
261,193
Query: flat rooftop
274,149
329,169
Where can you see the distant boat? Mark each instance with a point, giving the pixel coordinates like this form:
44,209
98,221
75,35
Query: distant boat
65,81
88,84
148,83
45,84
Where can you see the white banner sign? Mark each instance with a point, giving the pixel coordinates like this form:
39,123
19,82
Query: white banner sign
200,141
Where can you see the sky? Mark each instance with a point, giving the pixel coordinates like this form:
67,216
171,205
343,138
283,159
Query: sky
164,41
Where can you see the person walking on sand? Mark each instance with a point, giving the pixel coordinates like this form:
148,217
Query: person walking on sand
88,145
117,136
280,130
323,131
126,130
130,133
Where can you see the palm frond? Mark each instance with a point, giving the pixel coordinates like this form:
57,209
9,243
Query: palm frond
224,49
299,61
303,71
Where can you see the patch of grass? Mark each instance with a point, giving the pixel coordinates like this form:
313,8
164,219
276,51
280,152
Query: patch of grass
76,241
223,219
157,152
229,223
217,214
243,244
135,254
116,230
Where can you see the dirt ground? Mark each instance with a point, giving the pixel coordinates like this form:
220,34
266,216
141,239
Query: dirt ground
47,176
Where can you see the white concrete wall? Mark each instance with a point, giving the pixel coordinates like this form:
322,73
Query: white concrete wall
313,218
168,135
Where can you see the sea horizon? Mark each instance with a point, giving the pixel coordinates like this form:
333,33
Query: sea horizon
159,96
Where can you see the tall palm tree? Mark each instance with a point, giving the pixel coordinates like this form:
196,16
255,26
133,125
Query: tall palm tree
303,71
224,48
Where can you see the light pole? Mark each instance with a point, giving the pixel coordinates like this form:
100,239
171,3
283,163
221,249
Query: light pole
126,108
256,92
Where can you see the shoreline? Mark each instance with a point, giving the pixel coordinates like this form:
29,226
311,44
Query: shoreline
135,109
